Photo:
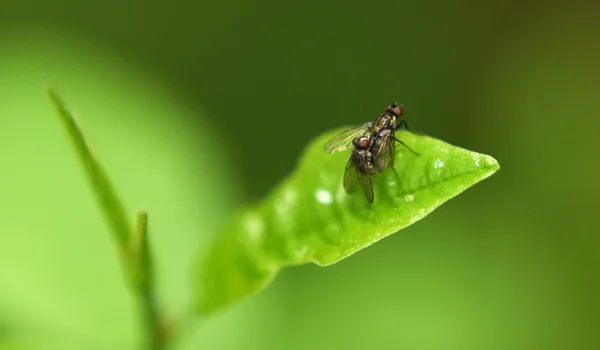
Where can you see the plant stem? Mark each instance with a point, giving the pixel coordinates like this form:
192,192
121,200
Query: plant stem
157,333
132,244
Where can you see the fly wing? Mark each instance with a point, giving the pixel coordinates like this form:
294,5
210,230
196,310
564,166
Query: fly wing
351,177
343,140
367,187
354,178
383,153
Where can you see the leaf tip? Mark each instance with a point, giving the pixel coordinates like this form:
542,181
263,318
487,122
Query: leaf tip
492,163
52,93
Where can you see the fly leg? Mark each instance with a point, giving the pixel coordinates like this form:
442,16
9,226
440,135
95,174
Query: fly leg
410,149
396,173
404,124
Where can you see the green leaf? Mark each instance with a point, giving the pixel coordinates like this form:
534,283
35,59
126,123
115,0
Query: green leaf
309,217
104,190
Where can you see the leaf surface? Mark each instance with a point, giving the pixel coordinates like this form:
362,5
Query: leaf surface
309,218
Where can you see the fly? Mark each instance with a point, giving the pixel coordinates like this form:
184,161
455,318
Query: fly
374,148
383,147
359,168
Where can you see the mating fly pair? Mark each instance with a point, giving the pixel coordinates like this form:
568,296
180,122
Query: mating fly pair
374,149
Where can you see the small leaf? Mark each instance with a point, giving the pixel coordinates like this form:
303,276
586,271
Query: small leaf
309,217
104,190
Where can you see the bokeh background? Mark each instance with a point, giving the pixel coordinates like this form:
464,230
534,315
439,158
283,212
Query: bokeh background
196,108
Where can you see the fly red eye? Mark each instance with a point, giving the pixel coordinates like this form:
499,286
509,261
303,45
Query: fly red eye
363,143
398,110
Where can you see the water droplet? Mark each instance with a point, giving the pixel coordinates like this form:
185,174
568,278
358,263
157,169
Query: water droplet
324,196
255,227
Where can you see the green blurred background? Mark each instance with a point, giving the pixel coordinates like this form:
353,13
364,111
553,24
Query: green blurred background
196,108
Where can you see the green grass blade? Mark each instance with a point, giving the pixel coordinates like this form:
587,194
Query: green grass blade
105,193
137,259
309,218
141,251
